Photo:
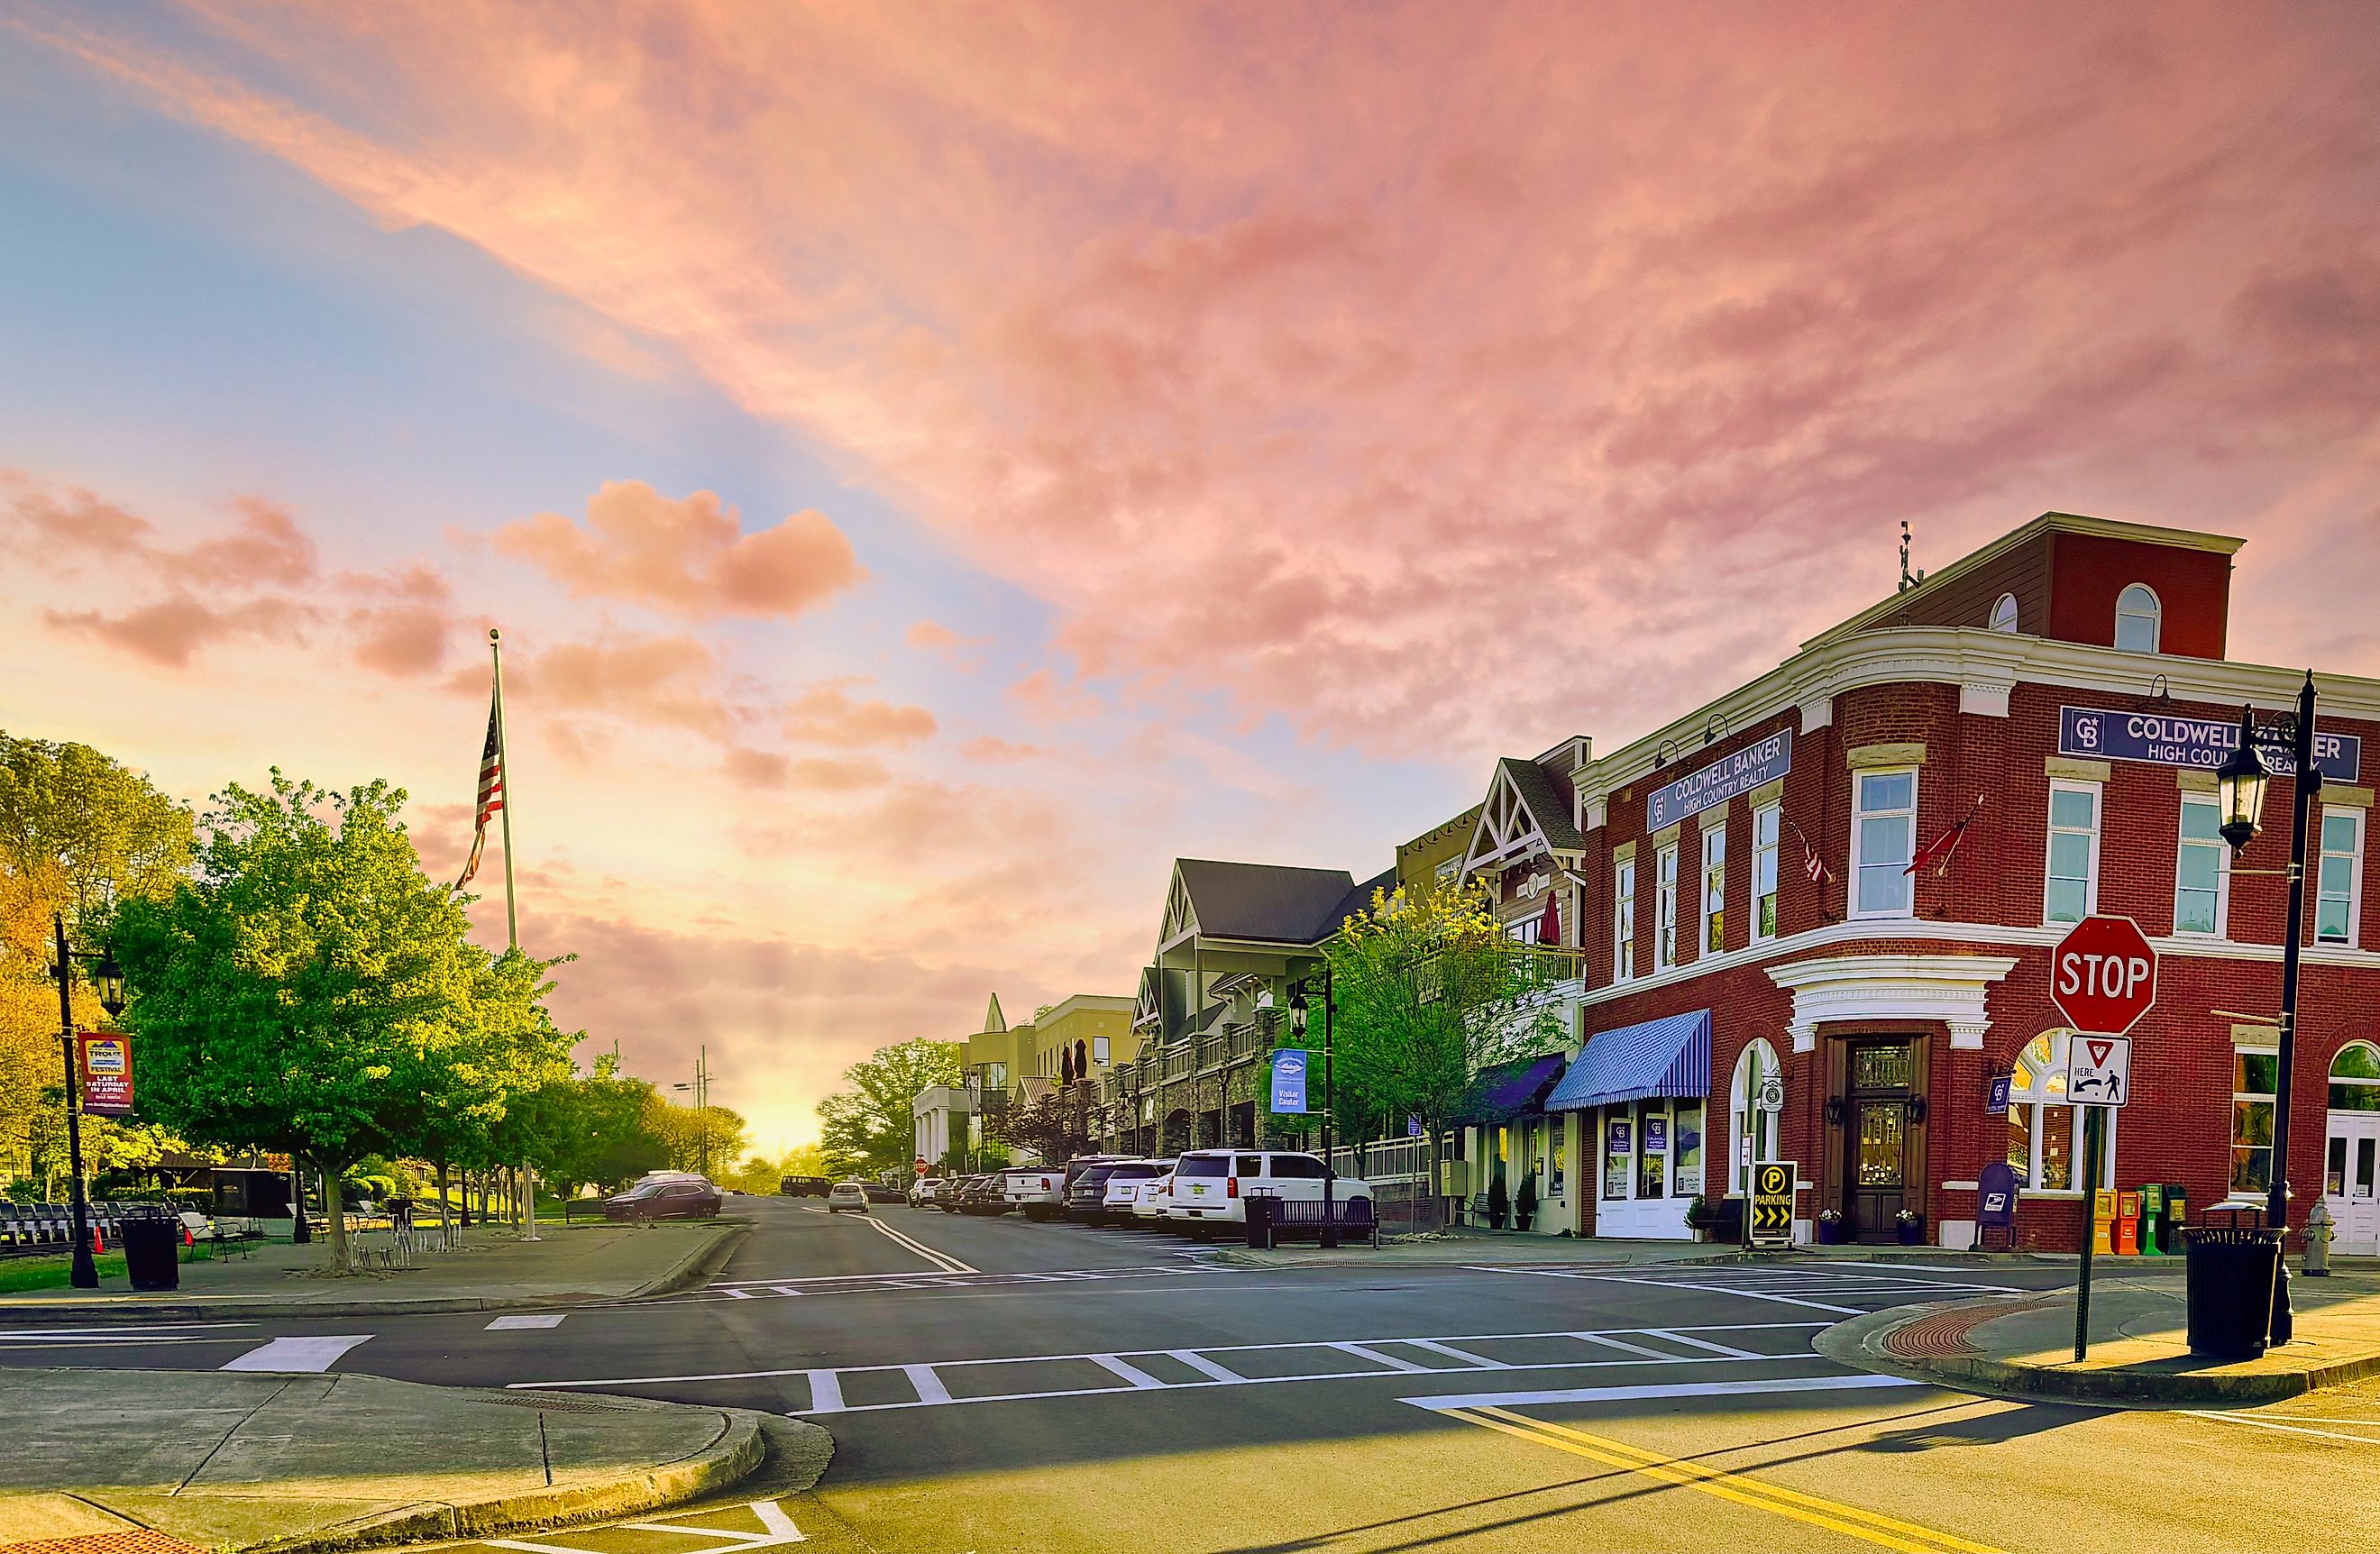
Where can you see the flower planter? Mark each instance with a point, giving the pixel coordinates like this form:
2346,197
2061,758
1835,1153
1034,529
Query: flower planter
1909,1233
1830,1233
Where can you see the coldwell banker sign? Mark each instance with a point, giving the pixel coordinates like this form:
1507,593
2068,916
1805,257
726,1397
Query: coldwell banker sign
1721,780
2162,739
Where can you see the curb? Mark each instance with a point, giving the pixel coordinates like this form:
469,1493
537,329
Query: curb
686,1271
1859,1342
728,1457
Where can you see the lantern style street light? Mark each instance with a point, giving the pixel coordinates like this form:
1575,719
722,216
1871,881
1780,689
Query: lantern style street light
83,1272
2240,789
1329,1235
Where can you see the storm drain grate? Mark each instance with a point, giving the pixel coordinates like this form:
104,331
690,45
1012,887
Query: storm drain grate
132,1540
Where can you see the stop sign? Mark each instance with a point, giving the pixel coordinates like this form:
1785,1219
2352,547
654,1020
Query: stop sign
2103,975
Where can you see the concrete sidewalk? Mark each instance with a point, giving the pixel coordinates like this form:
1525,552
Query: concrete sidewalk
227,1461
2024,1346
490,1271
1464,1245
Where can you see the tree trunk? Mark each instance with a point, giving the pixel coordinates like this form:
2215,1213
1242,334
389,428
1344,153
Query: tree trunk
445,1230
334,1215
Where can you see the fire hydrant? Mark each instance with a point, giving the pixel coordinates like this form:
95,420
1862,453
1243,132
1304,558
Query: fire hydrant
2317,1241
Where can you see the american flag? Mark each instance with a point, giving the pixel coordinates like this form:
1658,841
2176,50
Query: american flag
492,794
1817,871
1937,853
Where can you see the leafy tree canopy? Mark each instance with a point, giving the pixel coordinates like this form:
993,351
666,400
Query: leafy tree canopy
872,1125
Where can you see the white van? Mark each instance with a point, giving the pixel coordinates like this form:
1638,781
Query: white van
1211,1185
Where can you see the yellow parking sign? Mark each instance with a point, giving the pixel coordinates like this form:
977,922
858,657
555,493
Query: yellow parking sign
1772,1203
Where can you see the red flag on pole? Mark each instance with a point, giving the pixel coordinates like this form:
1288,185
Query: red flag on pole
1939,851
492,796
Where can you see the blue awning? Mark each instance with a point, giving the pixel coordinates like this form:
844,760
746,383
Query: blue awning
1507,1090
1665,1057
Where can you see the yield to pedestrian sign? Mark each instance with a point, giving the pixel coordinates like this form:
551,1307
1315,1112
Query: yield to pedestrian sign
2099,1069
1772,1203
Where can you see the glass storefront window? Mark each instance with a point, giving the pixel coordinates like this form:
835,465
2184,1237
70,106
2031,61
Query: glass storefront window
1653,1149
1618,1139
1686,1178
1560,1131
2254,1076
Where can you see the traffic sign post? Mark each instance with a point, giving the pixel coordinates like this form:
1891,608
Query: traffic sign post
1770,1213
2103,979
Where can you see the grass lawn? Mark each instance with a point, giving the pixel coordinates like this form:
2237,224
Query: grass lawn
50,1273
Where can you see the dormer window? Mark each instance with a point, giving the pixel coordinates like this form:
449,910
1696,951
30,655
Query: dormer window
2139,617
2004,614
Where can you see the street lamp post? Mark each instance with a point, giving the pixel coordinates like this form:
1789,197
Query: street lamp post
84,1273
2240,783
1329,1233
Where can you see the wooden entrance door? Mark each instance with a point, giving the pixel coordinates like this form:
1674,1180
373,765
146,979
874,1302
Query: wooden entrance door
1882,1170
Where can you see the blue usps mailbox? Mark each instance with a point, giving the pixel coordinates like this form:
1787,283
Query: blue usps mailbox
1996,1197
1288,1080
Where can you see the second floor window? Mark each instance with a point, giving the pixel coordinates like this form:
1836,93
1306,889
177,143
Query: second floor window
2201,870
1884,832
2139,619
1665,907
1765,822
1714,890
2073,883
1623,922
2338,884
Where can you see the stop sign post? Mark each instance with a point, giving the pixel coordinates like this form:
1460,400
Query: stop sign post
2103,979
2103,975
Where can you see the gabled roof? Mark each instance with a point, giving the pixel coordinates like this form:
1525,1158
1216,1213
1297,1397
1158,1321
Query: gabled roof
1547,806
1523,801
994,1021
1360,898
1270,902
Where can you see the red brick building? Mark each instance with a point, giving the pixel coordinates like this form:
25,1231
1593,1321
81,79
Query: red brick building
2065,691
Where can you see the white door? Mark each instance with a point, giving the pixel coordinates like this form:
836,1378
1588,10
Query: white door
2350,1182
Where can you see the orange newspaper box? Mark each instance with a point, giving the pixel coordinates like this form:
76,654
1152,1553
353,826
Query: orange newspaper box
2128,1224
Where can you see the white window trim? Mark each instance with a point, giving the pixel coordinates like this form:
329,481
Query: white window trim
1623,921
1743,1116
1716,837
1994,619
2091,870
2042,1105
1858,815
1776,851
1664,908
2222,874
2354,875
2156,618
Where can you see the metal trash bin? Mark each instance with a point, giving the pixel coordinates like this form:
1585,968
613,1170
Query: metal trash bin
1262,1206
2230,1274
151,1249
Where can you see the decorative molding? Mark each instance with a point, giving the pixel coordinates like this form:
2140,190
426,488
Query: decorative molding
1770,792
1891,987
1712,818
1908,753
2345,796
2074,770
1816,712
1625,852
1984,699
1963,1186
2195,780
1665,837
1598,811
2256,1037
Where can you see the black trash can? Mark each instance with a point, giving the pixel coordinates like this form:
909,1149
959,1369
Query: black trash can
2229,1286
1260,1207
151,1252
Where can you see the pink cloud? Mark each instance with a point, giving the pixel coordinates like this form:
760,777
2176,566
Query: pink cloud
687,557
1048,699
826,715
172,631
669,680
989,749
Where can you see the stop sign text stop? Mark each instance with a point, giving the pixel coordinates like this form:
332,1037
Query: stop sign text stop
2103,975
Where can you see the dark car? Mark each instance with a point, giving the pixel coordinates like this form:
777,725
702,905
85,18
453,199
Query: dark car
953,1192
1087,1200
882,1192
983,1196
670,1198
804,1186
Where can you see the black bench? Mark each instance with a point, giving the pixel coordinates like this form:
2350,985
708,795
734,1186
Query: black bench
1348,1214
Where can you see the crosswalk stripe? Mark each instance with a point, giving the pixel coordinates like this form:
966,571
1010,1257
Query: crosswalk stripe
1465,1355
314,1353
1131,1373
929,1386
1361,1353
826,1392
1204,1365
1702,1343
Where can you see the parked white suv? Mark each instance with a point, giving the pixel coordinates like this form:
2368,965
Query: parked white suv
1037,1191
1211,1185
1149,1206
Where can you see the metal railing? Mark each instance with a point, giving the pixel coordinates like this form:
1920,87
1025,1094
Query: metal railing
1391,1160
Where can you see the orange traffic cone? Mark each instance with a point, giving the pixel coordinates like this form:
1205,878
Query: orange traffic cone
188,1240
98,1239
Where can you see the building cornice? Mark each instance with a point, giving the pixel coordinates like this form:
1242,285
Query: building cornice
1966,656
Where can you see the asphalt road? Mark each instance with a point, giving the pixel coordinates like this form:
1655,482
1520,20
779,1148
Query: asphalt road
996,1384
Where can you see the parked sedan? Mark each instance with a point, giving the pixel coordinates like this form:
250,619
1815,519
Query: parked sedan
846,1195
674,1197
1148,1209
984,1196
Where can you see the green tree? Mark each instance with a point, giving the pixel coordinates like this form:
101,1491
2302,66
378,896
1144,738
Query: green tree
698,1136
78,833
1055,1126
1429,990
871,1124
312,991
593,1131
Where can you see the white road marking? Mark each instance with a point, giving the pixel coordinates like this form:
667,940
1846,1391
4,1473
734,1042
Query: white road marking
517,1324
1670,1284
2220,1417
1132,1373
929,1386
1203,1366
1703,1343
777,1529
1465,1355
1673,1389
826,1392
942,1261
1608,1341
315,1352
1359,1352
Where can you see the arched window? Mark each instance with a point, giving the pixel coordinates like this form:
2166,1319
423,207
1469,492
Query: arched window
2139,619
1757,1065
2355,1079
2044,1141
2004,614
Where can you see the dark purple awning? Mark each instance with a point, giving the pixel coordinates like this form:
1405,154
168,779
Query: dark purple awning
1508,1089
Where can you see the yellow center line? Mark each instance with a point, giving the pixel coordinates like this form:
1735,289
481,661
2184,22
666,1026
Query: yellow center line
1865,1525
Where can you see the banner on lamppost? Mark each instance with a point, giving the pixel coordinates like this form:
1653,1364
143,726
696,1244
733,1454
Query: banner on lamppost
1288,1081
104,1058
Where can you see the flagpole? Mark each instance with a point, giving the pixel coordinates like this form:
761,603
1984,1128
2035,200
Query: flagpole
505,757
